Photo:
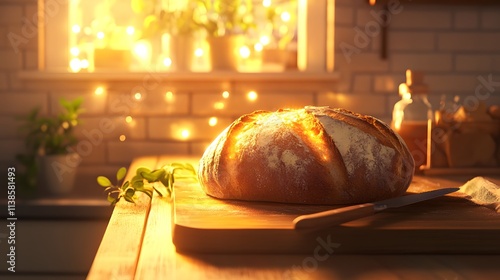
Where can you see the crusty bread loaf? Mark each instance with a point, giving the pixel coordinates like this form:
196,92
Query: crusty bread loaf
315,155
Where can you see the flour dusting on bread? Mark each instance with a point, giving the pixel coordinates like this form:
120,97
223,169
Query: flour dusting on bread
314,155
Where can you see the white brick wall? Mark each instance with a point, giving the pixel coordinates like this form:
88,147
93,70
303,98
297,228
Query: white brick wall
453,45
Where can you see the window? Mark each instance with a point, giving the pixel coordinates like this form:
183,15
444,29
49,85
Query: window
186,35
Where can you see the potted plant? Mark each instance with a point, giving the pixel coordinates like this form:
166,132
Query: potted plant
181,28
281,29
49,162
171,29
225,22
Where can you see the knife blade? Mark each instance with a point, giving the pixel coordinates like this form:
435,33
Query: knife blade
345,214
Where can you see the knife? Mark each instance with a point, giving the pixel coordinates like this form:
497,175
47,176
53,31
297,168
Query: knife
345,214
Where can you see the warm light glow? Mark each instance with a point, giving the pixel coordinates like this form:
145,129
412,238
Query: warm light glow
65,125
198,52
76,28
75,65
219,105
84,63
212,121
96,27
264,40
141,49
285,16
122,138
74,51
244,52
99,91
404,91
169,96
252,95
258,47
167,62
185,133
138,96
225,94
130,30
129,119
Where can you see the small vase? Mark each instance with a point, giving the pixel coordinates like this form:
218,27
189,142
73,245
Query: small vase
224,52
57,173
181,52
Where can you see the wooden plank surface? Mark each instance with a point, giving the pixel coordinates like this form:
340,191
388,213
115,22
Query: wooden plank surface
119,250
158,259
441,225
156,248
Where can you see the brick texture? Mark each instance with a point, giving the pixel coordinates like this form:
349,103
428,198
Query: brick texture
452,45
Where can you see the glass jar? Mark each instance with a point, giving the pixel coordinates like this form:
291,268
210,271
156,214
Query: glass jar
411,116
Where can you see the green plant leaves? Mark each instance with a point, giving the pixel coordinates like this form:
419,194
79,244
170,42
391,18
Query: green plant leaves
142,181
120,174
103,181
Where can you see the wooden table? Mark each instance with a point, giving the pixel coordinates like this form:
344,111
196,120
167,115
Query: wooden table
138,244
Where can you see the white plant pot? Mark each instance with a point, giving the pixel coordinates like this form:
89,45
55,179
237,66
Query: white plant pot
182,52
224,52
57,173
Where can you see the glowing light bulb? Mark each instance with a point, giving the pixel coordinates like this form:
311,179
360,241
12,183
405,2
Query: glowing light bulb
84,63
74,51
252,96
244,52
225,94
122,138
285,16
138,96
198,52
264,40
99,91
266,3
167,61
100,35
75,65
219,105
258,47
76,28
185,133
141,49
130,30
129,119
212,121
169,96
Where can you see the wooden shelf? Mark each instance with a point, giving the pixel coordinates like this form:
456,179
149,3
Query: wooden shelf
295,76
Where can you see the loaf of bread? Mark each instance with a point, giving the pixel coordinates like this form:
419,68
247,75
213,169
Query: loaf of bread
314,155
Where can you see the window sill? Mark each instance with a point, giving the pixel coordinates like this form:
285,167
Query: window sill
295,76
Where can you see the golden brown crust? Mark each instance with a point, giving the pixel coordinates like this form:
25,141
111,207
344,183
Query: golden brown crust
315,155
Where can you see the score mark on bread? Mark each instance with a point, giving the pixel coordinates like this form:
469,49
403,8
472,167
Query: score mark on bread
314,155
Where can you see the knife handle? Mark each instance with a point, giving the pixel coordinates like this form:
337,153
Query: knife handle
334,217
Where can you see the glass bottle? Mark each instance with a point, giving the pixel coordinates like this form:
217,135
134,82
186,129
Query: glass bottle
411,116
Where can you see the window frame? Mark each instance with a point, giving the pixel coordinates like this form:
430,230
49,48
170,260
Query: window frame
315,40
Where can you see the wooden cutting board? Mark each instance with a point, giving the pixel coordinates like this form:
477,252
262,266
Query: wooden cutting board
449,224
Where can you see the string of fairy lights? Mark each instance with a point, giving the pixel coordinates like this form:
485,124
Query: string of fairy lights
184,130
114,40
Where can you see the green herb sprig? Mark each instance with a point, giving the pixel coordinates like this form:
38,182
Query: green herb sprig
143,179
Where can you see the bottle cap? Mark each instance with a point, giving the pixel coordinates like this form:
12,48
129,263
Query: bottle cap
415,82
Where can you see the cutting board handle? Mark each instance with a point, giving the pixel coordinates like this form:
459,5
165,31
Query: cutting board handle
334,217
